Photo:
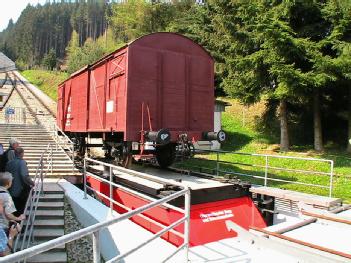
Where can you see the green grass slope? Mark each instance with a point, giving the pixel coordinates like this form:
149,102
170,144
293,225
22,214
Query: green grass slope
47,81
243,138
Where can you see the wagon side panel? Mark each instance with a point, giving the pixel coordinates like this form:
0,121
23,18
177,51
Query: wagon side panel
79,93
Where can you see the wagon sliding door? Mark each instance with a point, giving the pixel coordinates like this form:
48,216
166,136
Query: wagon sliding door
60,106
79,93
115,93
96,121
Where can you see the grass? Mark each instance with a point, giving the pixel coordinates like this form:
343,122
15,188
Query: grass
243,138
45,80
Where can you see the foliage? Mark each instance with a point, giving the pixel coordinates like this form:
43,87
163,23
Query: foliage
50,60
47,81
41,28
90,52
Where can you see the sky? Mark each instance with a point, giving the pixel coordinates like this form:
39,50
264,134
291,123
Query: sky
12,9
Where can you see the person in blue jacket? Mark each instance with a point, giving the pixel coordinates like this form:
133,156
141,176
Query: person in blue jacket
22,183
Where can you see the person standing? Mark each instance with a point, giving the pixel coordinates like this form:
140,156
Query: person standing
6,242
9,154
8,204
22,183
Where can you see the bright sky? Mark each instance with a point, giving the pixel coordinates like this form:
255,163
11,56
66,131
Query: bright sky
12,9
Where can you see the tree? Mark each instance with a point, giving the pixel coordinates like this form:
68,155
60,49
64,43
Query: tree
73,53
128,19
50,59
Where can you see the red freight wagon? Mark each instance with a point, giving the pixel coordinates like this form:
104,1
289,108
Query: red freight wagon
152,97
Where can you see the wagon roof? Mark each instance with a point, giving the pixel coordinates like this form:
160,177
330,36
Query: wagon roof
86,67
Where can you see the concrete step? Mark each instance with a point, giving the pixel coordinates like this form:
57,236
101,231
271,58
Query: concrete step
52,186
49,214
58,163
56,167
55,170
63,175
48,233
31,145
13,133
49,223
61,248
49,257
50,205
37,154
51,198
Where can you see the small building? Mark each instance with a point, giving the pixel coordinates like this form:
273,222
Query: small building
214,145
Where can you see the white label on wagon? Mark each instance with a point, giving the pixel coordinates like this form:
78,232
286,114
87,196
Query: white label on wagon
109,106
217,215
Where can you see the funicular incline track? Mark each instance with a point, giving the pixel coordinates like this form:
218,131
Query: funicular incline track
34,130
35,133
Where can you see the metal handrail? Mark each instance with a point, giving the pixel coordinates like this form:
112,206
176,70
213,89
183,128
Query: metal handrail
267,167
65,143
95,229
33,200
57,128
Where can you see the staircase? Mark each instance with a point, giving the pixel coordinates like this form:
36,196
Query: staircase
49,223
49,220
34,140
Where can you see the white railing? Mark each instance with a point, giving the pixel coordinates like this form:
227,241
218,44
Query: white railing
95,229
64,142
16,115
267,167
23,240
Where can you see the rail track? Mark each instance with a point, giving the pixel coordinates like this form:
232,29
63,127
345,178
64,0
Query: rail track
35,131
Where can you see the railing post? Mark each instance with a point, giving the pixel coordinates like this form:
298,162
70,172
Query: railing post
51,160
96,247
187,224
331,178
85,179
73,159
41,175
111,189
217,164
266,172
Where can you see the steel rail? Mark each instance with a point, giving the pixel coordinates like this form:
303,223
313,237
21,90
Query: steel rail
303,243
138,174
35,95
326,217
149,198
27,104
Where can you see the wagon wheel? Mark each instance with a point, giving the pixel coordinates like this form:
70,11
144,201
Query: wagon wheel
126,156
165,155
126,161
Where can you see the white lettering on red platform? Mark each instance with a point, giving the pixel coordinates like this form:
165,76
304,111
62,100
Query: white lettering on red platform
217,215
